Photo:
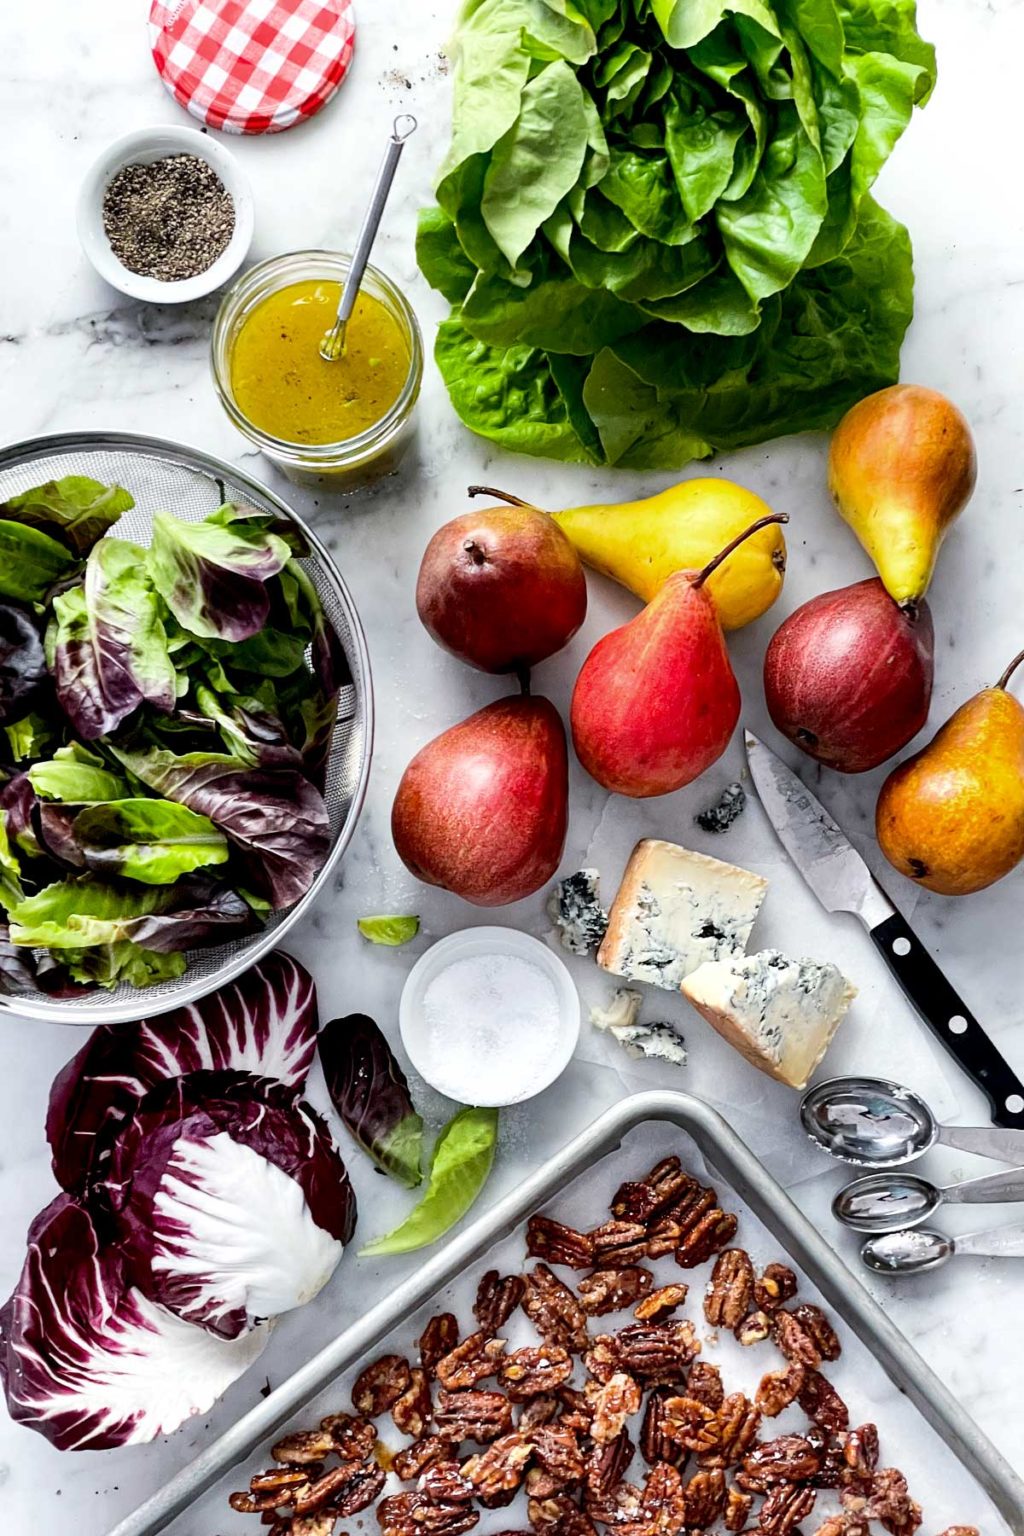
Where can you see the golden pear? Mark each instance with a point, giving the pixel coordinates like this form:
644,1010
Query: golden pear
640,544
952,816
902,467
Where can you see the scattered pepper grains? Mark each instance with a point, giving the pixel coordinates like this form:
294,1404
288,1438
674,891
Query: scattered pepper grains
169,219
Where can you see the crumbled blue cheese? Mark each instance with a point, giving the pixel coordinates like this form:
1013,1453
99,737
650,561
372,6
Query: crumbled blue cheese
674,911
575,909
780,1013
659,1041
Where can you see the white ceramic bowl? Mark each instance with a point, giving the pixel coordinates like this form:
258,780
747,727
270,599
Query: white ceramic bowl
141,147
481,1087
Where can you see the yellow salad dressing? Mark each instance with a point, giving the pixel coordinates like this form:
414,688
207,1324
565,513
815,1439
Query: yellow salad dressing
282,384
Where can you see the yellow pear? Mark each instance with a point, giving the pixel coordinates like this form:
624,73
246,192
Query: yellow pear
902,467
952,817
642,543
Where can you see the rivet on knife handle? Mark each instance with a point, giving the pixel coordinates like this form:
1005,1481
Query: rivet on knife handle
949,1018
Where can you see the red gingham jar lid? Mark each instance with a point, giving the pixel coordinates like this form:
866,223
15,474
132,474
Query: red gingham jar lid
252,66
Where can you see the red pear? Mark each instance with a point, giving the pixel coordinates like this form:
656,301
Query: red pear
482,810
657,701
502,588
848,677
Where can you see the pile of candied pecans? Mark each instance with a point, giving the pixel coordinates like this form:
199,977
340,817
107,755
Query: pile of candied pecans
707,1454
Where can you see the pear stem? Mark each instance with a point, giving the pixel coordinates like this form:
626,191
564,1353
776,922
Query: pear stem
1011,669
489,490
741,538
523,679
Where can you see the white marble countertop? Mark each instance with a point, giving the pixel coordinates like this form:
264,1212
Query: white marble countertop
73,354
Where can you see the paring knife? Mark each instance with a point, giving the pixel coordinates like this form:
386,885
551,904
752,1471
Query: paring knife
842,882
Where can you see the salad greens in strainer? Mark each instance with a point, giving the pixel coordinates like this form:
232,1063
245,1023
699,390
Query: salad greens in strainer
163,737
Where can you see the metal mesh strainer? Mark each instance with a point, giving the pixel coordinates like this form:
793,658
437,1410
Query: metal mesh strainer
167,476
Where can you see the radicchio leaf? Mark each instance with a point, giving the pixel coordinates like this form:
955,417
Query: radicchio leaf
230,1199
274,816
212,574
111,648
22,662
88,1361
265,1023
370,1092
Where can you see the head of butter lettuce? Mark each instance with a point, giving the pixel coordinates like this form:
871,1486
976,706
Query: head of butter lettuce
654,223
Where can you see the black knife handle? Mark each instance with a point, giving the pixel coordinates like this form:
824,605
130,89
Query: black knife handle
950,1020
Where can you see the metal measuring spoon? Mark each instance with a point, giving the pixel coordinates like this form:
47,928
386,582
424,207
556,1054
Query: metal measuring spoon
332,343
875,1123
888,1202
911,1253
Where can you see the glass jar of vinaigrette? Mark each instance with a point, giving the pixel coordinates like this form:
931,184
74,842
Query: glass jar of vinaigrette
334,425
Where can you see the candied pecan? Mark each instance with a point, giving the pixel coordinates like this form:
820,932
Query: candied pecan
577,1413
308,1445
411,1514
753,1329
559,1461
472,1361
690,1424
648,1197
821,1402
789,1459
784,1508
279,1479
662,1504
617,1244
479,1416
705,1384
860,1455
497,1297
737,1509
705,1237
354,1439
438,1339
661,1303
738,1422
705,1499
806,1336
446,1483
613,1403
607,1465
532,1372
321,1524
559,1516
381,1385
961,1530
352,1481
554,1311
774,1287
778,1389
619,1509
888,1501
539,1411
610,1290
558,1244
602,1358
853,1525
663,1237
657,1354
414,1459
362,1489
413,1410
256,1503
682,1216
730,1289
655,1444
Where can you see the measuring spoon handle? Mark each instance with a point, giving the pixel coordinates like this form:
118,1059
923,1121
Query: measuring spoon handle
1002,1243
990,1190
1006,1146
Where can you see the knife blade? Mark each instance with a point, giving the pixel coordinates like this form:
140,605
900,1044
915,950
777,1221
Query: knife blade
842,882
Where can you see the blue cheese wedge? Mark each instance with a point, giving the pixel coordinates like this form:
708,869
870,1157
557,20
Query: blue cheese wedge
576,911
780,1013
676,910
621,1019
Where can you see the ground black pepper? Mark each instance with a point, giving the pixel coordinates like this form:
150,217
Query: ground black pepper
169,219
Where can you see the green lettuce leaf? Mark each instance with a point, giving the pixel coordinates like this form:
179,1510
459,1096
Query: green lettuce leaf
461,1163
75,510
30,562
152,841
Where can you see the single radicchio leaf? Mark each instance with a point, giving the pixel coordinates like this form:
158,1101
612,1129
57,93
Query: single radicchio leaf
88,1361
22,663
204,911
229,1198
370,1092
265,1023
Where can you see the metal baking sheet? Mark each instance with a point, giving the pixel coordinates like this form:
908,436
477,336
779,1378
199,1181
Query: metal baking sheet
649,1124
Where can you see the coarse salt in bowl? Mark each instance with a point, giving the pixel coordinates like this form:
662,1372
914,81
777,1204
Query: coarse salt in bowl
142,147
489,1016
